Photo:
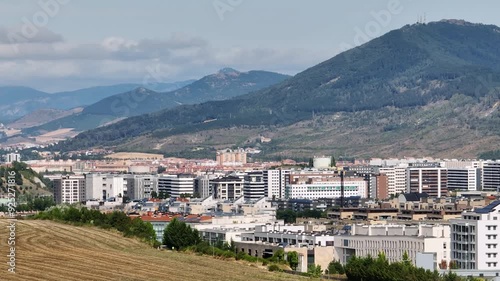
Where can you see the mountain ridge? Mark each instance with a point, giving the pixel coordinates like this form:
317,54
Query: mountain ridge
139,101
411,67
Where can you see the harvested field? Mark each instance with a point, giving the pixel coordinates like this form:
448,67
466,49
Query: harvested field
47,250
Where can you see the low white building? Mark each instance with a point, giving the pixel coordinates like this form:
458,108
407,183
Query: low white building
394,241
475,239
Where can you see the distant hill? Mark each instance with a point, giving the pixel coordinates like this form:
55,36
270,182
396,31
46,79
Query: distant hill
20,101
41,117
225,84
418,90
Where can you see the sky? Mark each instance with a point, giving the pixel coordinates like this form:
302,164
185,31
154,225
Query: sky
56,45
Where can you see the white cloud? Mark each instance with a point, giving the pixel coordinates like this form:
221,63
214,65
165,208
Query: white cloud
22,35
46,63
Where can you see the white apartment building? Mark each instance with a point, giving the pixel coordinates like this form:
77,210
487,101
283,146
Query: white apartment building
105,186
394,241
12,157
396,178
69,189
275,182
330,188
175,185
475,239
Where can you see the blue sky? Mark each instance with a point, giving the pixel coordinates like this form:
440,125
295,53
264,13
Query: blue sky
80,43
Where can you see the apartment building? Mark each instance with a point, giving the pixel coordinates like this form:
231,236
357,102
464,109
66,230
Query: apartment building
396,177
102,187
475,239
228,188
230,157
69,189
382,186
394,241
12,157
141,186
254,186
175,185
275,181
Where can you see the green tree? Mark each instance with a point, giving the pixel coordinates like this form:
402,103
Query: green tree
335,267
154,194
333,163
179,235
293,259
289,216
314,270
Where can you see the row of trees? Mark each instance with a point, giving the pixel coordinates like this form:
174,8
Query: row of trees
32,204
116,220
380,269
290,216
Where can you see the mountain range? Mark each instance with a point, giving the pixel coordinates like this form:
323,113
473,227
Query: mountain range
19,101
423,89
226,83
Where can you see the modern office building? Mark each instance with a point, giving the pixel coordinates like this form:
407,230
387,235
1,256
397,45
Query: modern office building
176,185
475,239
431,180
490,179
464,179
69,189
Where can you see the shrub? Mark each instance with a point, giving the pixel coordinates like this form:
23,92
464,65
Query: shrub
274,267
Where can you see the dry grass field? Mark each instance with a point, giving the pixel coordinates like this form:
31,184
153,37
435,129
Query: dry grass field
52,251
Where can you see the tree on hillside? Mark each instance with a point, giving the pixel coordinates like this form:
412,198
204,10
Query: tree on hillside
178,235
141,229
